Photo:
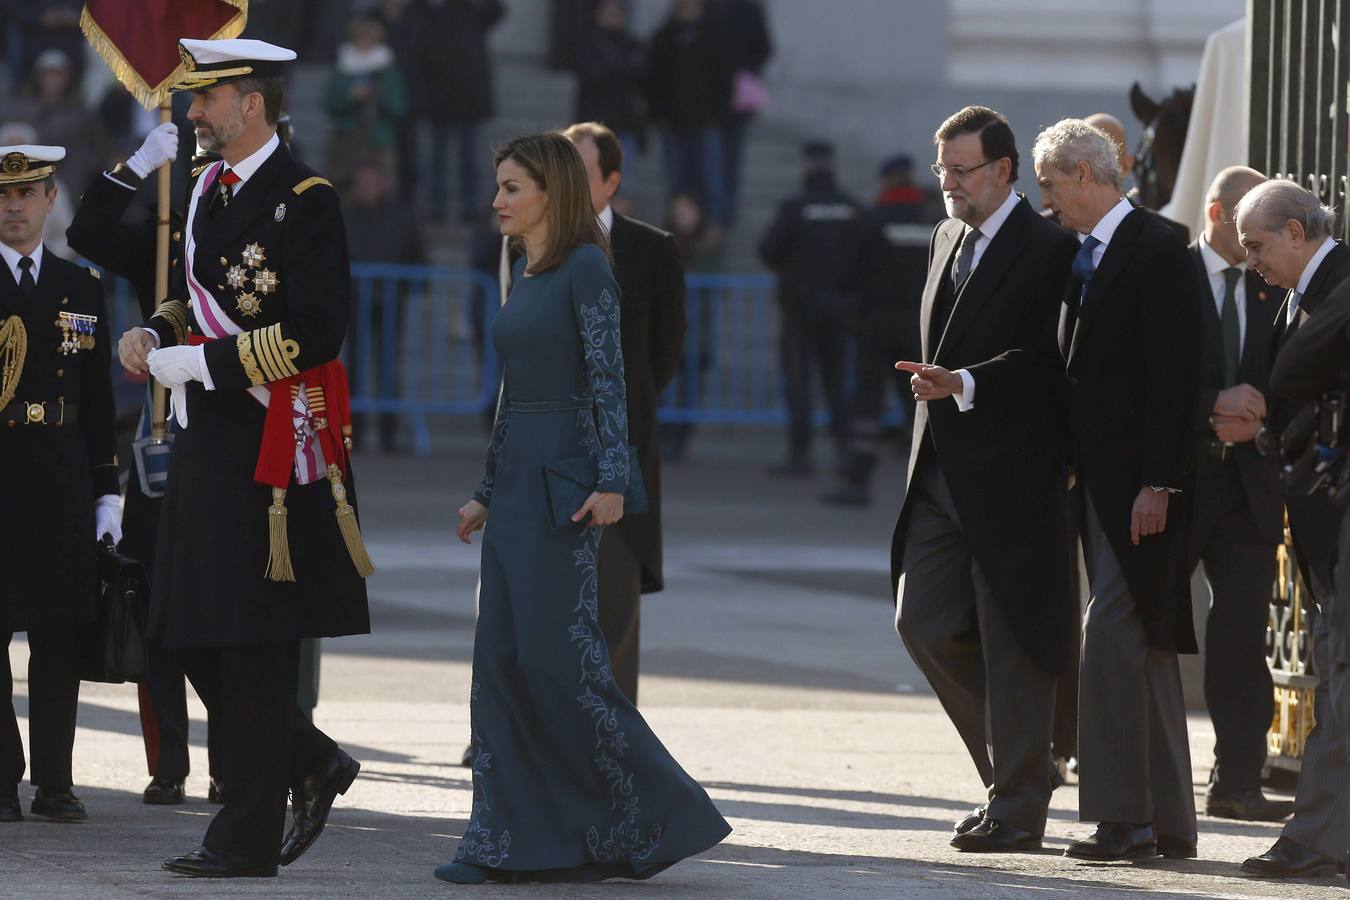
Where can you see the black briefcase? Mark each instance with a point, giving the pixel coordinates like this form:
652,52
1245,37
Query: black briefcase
114,648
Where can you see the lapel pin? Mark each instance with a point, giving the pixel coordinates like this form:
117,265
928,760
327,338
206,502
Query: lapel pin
280,213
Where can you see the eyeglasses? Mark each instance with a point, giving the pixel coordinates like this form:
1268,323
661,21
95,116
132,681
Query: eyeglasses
1228,217
957,172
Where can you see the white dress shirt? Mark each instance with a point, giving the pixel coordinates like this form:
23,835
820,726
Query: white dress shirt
13,256
1306,278
1105,229
1214,267
965,400
607,218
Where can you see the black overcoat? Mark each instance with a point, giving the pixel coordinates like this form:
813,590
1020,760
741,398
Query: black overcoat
1260,474
1314,521
652,322
51,475
209,588
1132,352
1005,460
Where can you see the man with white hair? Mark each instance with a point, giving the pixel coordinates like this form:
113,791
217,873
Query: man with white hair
1129,334
1286,232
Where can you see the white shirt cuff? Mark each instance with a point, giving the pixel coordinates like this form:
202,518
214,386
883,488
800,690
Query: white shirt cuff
152,332
206,373
965,401
109,501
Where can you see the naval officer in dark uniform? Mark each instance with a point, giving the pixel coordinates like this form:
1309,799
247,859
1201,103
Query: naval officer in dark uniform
58,478
258,542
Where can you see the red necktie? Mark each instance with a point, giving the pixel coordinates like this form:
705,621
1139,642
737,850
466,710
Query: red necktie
230,178
223,192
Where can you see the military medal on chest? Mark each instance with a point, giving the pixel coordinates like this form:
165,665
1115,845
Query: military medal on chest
250,273
77,332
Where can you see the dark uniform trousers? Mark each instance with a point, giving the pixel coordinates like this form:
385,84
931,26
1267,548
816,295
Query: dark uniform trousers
814,334
619,592
53,698
265,744
1240,566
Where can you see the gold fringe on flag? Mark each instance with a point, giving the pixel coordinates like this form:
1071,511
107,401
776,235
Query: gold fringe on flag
347,524
279,566
151,96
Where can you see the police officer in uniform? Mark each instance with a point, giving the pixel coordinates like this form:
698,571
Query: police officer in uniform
258,543
58,477
810,245
101,233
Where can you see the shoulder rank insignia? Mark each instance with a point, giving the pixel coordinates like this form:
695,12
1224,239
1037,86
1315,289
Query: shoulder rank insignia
95,272
309,183
280,213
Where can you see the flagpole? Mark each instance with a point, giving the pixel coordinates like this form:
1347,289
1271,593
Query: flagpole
158,412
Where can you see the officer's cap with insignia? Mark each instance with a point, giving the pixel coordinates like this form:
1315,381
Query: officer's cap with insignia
26,163
209,63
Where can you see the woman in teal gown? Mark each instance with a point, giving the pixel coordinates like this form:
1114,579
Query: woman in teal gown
569,782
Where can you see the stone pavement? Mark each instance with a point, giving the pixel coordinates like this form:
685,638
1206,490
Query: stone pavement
770,668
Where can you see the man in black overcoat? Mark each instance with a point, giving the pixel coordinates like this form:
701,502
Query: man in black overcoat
1238,518
257,542
651,282
1287,234
58,478
983,598
1129,337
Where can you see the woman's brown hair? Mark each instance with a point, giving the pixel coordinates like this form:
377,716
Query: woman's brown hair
554,164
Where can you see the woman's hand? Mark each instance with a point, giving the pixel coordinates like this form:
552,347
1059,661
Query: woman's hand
604,508
472,517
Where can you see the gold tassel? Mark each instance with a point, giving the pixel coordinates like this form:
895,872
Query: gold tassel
351,531
279,566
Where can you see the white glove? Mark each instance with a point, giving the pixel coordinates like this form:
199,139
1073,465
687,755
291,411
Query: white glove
160,146
174,367
108,517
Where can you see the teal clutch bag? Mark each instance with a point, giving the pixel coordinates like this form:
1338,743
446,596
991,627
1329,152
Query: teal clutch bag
568,482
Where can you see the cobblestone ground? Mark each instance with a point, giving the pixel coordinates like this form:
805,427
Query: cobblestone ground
770,668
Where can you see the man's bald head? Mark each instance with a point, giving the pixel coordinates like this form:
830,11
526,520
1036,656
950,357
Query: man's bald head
1114,129
1221,200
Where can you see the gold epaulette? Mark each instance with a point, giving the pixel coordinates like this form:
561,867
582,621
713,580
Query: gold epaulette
96,273
309,183
266,355
175,312
202,168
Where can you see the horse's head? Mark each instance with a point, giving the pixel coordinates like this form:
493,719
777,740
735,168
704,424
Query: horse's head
1158,154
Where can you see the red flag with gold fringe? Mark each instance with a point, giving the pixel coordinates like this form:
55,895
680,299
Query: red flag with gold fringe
138,39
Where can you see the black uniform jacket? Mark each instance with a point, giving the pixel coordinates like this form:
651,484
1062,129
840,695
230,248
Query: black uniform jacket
1260,474
1132,351
1005,460
51,474
275,259
652,321
1313,520
812,242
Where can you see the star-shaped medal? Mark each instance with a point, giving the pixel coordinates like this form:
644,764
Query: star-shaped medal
253,256
248,304
236,276
265,281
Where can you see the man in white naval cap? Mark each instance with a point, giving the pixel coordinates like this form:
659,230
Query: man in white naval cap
258,542
58,478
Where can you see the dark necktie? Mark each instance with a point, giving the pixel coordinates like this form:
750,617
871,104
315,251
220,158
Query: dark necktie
1083,266
965,259
27,283
1232,328
224,190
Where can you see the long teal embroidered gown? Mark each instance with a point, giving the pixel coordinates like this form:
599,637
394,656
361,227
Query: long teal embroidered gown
567,776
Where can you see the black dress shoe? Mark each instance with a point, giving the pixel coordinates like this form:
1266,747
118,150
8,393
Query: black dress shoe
1173,847
1248,806
1287,859
10,809
1116,840
993,836
164,792
970,821
58,804
312,803
203,863
216,792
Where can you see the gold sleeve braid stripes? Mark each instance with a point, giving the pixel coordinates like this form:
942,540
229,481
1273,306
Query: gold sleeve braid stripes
274,355
174,312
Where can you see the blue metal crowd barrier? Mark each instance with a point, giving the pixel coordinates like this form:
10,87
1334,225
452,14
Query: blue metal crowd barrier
418,347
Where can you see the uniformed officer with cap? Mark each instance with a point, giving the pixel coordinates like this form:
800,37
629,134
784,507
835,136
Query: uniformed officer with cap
58,477
258,543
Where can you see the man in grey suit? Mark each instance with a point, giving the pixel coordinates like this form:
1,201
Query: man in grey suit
1129,339
983,600
1287,234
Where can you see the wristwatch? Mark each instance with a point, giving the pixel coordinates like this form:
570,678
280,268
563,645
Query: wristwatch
1264,441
